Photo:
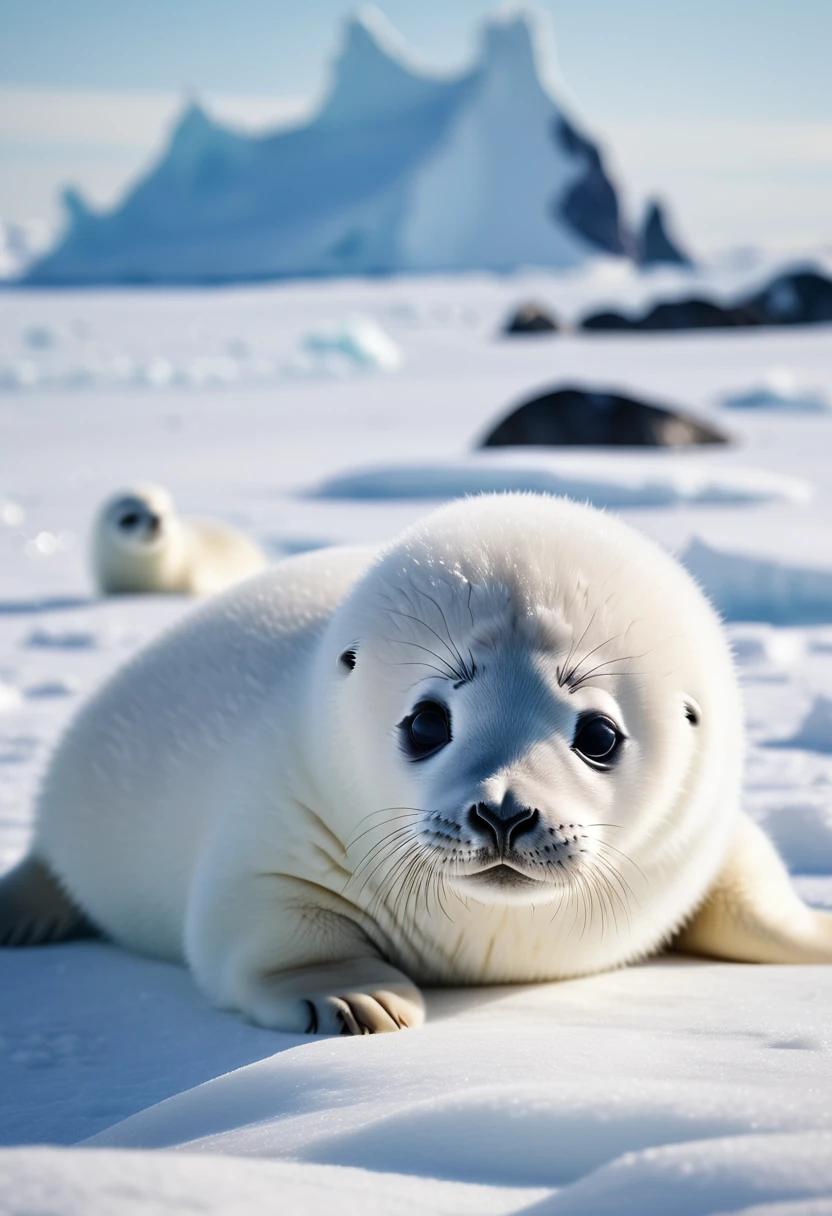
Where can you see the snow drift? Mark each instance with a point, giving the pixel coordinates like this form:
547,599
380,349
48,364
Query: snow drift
397,171
603,479
744,587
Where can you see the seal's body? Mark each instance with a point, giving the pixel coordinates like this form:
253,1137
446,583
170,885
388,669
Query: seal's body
140,546
507,748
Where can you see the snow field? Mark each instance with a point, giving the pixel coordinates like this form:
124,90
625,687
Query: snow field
679,1085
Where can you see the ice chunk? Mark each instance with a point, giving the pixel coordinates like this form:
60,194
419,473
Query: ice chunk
361,341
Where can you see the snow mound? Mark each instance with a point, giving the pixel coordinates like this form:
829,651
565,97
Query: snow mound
779,390
815,731
360,341
606,481
398,171
748,588
732,1175
803,831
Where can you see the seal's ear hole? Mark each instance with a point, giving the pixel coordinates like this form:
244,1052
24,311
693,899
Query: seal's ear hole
692,711
346,659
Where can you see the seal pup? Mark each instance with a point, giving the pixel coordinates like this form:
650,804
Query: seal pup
140,546
505,748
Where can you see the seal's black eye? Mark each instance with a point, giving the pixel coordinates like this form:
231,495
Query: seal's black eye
597,740
129,520
426,730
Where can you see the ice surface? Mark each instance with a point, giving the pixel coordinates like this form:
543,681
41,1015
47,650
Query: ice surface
680,1086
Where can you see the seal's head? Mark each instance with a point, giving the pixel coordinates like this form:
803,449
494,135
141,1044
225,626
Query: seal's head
136,539
538,702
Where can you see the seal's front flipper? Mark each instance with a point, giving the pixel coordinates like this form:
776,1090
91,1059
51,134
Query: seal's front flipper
359,996
35,910
753,914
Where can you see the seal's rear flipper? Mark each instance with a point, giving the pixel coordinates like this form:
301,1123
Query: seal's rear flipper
35,910
753,913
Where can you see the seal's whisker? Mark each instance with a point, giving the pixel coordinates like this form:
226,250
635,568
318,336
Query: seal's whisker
460,674
453,646
563,673
383,810
606,845
452,673
392,846
626,891
399,873
575,682
379,827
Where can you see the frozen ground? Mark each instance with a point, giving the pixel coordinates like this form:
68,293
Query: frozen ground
678,1086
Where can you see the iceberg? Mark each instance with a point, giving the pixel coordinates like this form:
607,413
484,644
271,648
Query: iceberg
397,171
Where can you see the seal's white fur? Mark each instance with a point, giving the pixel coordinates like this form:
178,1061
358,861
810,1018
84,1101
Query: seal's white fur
238,797
139,545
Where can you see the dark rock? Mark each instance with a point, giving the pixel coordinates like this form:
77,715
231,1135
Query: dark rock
579,416
591,205
677,314
796,298
656,247
531,318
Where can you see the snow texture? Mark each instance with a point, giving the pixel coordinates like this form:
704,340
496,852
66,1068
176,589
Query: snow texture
399,170
680,1085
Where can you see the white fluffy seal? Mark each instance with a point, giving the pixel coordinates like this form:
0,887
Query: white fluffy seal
139,545
506,748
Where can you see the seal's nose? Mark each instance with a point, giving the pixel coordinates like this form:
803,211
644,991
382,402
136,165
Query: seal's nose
154,524
504,822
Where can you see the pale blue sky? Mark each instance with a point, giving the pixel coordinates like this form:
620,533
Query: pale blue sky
725,96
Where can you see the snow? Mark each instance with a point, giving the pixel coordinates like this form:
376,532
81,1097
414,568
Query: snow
399,169
679,1085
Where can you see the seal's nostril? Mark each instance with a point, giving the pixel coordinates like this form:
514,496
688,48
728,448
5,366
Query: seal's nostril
523,822
505,823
